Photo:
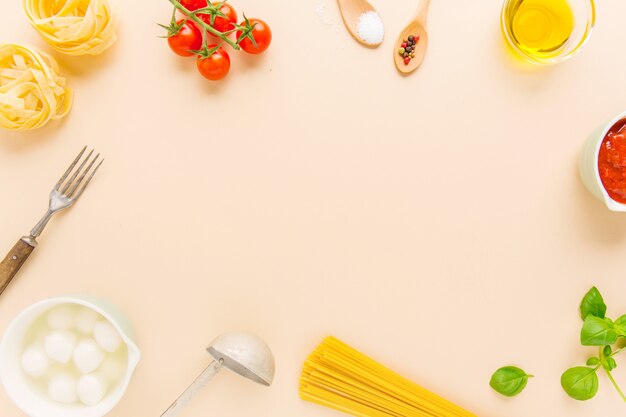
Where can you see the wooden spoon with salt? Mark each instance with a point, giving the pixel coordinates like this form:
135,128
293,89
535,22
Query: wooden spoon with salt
351,12
417,28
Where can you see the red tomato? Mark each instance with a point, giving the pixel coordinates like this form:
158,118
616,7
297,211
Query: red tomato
192,5
262,36
216,66
222,24
188,38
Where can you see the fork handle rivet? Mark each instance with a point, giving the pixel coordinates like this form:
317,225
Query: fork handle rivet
14,257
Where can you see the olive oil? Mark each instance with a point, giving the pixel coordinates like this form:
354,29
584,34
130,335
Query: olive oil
539,28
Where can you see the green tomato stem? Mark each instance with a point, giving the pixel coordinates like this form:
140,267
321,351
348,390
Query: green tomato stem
616,386
206,27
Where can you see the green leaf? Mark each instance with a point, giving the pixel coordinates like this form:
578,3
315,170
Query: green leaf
597,332
593,361
620,326
592,304
611,364
580,383
509,381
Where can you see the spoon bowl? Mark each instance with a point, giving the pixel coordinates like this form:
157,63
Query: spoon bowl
351,12
416,27
244,354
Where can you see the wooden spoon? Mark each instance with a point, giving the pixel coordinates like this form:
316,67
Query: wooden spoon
351,11
417,27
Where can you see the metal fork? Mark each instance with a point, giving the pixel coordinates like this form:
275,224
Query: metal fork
65,193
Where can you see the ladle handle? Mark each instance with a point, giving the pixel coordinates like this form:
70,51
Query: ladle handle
200,382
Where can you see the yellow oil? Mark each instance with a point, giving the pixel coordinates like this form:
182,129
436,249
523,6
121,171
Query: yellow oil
540,28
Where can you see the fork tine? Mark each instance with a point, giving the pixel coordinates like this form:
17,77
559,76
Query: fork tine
75,174
82,189
80,179
58,184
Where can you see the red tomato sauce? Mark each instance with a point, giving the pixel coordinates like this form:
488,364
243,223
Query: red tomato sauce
612,162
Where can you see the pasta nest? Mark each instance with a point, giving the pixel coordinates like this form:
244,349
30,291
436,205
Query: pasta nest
74,27
31,90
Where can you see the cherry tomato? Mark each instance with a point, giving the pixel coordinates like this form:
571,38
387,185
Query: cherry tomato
222,24
192,5
188,38
216,66
262,35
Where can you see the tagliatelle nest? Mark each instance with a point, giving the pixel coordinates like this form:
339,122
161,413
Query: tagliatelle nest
31,90
74,27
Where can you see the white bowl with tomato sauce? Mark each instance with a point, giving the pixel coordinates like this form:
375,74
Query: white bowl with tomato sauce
601,167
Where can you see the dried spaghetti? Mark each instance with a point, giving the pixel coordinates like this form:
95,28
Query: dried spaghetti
31,91
74,27
338,376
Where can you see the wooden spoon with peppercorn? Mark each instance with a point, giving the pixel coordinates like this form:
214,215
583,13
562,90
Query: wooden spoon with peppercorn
410,48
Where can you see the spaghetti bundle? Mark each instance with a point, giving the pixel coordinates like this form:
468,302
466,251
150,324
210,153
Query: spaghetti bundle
31,91
338,376
74,27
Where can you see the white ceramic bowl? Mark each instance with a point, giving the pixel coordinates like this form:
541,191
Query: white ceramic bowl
17,384
588,165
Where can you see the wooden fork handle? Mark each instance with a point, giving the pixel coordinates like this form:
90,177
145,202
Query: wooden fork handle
13,262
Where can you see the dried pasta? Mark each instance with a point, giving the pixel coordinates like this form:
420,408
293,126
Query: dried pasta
338,376
74,27
31,91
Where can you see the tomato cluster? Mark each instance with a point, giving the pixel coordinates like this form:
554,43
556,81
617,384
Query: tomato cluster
206,26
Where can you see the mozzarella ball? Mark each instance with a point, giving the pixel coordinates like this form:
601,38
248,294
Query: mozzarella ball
88,356
86,321
107,337
61,318
91,389
59,346
34,361
112,369
62,389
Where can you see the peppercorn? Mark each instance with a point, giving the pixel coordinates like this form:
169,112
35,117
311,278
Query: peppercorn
411,37
406,61
401,51
406,55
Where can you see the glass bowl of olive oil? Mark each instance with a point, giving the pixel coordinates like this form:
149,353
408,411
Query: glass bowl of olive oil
547,31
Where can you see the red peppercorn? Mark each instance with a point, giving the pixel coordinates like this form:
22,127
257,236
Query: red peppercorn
406,61
404,44
417,39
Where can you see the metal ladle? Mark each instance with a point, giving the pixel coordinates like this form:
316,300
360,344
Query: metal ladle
243,353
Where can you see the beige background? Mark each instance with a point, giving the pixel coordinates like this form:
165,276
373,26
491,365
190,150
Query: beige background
435,222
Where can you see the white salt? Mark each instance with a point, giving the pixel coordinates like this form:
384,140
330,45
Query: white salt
62,389
370,28
35,362
91,389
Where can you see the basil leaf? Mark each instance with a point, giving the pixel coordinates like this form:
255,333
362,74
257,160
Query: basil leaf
597,332
593,361
592,304
620,326
580,383
509,381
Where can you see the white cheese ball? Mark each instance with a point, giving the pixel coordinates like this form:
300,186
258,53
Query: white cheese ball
35,362
91,389
112,369
61,318
59,346
62,389
88,356
107,337
86,321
